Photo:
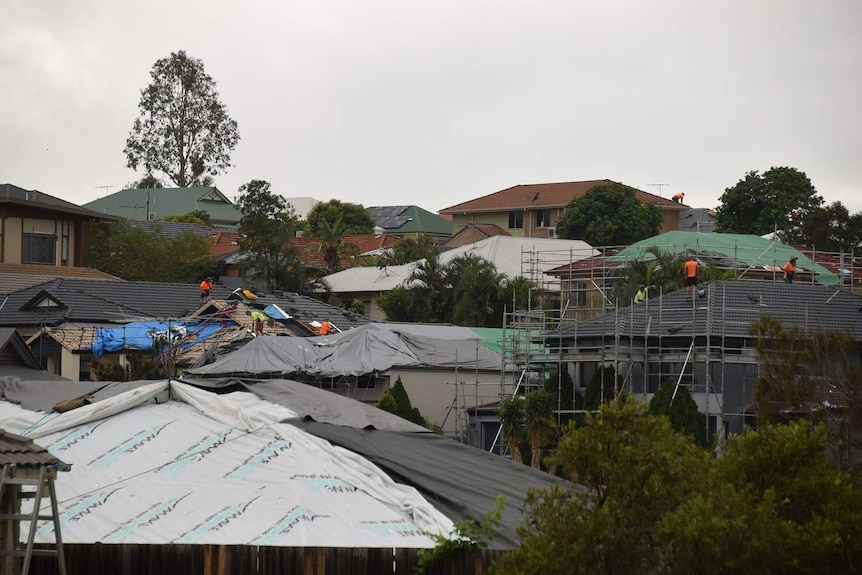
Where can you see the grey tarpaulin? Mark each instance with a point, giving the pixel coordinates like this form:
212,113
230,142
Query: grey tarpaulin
315,403
370,348
461,481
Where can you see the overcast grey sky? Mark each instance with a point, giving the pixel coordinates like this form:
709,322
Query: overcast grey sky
437,102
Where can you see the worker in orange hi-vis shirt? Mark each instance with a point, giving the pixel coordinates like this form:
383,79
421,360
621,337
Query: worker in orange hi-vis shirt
790,270
690,274
206,287
325,328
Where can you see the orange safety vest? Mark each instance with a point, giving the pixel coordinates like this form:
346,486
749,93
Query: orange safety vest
690,269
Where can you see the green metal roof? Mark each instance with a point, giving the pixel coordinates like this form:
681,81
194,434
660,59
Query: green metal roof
137,204
492,338
410,220
744,249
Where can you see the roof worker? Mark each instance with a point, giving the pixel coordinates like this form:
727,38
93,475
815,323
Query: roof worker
690,268
206,287
257,319
642,293
678,197
324,328
790,270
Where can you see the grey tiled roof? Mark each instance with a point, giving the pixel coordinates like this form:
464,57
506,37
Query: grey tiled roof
104,301
171,229
697,220
307,309
18,450
728,308
15,351
101,301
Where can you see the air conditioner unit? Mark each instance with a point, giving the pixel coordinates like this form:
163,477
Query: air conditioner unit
152,216
552,232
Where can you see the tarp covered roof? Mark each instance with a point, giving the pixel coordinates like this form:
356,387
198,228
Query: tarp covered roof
743,250
167,462
370,348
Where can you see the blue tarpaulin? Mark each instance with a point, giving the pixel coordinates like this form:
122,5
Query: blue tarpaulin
141,334
276,312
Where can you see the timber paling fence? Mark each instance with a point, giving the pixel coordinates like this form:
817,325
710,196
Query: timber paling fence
111,559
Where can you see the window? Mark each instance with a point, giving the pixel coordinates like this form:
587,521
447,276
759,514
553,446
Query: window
516,220
578,293
543,218
39,249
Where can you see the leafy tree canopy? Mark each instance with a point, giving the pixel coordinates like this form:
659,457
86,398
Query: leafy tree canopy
133,254
779,199
354,218
815,375
681,410
609,215
183,130
831,229
410,250
467,290
267,223
199,217
148,182
646,499
395,400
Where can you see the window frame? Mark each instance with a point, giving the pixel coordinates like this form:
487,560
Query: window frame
516,220
27,249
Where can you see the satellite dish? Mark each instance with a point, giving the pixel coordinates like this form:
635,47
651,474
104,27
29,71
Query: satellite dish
152,216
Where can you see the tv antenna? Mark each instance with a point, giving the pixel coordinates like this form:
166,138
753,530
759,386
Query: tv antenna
659,186
105,189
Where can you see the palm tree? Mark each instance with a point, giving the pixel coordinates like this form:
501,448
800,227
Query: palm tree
430,282
511,416
659,268
331,238
476,291
538,422
409,250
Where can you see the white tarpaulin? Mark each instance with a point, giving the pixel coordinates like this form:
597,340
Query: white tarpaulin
215,469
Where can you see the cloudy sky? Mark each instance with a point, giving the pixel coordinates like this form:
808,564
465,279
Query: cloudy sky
435,102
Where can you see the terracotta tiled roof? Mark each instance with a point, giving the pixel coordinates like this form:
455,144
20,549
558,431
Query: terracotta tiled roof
556,195
311,250
222,243
598,263
17,450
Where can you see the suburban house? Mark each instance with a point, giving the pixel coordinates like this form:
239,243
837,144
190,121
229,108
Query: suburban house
60,319
42,230
445,369
241,476
704,344
17,360
513,256
358,249
410,222
532,210
156,203
587,285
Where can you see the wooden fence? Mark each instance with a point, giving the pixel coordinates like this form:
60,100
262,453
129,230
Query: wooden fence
106,559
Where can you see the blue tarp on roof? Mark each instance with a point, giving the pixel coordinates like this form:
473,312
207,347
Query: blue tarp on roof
139,335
